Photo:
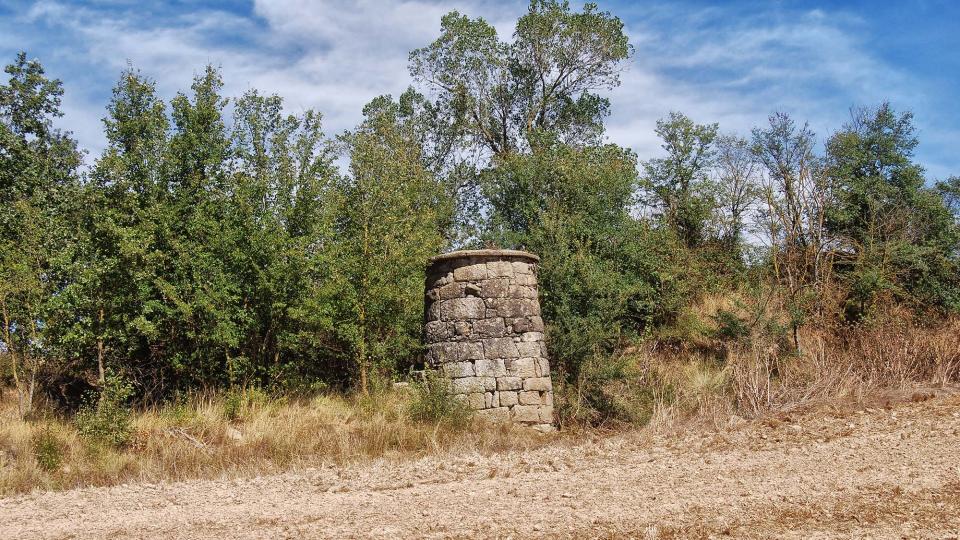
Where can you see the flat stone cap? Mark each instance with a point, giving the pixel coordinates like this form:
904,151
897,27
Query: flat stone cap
485,254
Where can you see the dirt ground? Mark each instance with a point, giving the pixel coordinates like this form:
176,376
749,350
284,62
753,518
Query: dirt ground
855,471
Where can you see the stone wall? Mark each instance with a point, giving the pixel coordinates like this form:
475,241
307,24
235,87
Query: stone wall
483,330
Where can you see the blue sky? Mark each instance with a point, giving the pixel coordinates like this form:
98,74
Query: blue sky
730,62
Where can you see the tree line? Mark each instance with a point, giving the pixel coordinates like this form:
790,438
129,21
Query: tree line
215,242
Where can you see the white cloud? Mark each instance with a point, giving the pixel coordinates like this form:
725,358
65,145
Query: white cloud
335,55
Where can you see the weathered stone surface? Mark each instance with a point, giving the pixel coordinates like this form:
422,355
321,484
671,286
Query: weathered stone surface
477,401
455,370
514,307
508,398
543,367
521,367
489,383
528,349
496,414
522,291
472,272
530,398
470,351
528,280
462,328
540,384
496,288
453,290
526,413
459,309
546,414
499,269
490,368
433,311
500,348
471,289
468,385
509,383
536,324
521,268
443,352
488,400
531,337
489,328
438,331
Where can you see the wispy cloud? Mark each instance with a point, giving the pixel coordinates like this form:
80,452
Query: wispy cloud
733,64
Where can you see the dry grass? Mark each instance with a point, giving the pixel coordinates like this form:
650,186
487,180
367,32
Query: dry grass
711,379
688,379
216,436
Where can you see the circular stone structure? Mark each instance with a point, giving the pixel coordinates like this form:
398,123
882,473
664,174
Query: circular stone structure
484,332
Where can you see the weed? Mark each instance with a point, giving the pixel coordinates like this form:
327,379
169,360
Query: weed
48,450
105,418
432,402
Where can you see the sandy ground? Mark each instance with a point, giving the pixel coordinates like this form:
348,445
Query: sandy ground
854,471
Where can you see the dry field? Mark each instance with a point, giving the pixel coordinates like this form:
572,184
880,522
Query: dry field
887,468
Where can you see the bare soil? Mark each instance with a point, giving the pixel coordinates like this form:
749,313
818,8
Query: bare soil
877,470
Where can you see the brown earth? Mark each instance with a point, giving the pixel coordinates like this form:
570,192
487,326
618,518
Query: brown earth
878,471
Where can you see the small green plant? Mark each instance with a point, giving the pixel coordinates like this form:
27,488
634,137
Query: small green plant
432,402
47,450
238,402
105,418
730,327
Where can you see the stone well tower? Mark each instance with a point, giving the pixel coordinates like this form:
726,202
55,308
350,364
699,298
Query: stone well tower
483,330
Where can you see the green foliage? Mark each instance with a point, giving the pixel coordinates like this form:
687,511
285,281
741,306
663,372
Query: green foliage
388,215
503,94
48,449
900,235
681,188
432,402
610,389
38,179
105,419
604,275
729,326
215,243
237,403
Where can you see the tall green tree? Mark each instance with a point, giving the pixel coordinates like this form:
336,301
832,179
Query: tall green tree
604,275
543,80
387,219
104,318
896,234
38,179
679,183
274,241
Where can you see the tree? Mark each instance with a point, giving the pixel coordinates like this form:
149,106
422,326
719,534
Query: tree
277,229
503,93
679,183
387,224
38,178
795,192
603,274
896,235
104,314
737,187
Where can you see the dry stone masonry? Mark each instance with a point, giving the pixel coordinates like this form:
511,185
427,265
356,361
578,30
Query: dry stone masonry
483,330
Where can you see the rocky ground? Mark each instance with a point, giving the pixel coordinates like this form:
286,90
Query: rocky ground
877,471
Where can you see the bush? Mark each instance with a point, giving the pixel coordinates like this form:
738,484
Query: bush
432,402
238,403
612,390
48,450
105,418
